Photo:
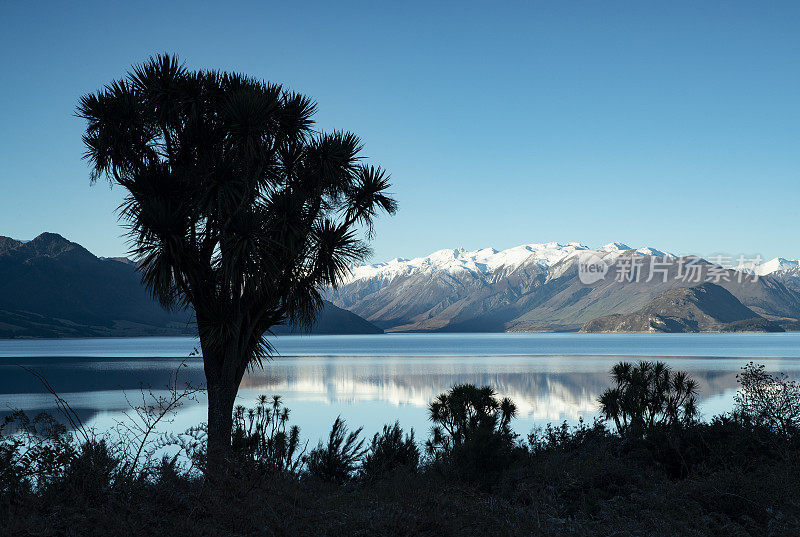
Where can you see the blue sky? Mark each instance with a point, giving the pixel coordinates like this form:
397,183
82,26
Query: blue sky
669,124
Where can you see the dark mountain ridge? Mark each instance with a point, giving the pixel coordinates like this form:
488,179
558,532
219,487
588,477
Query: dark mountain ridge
52,287
52,277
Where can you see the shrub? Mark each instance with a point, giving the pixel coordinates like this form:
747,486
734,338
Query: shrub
566,438
647,396
466,412
389,451
33,452
768,400
724,443
577,480
337,461
92,471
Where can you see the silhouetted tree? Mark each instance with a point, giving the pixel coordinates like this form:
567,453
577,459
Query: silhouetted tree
235,205
647,395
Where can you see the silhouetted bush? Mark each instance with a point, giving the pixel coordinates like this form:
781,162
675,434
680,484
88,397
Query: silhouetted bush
33,452
648,396
724,443
91,472
466,412
389,451
338,459
768,400
566,437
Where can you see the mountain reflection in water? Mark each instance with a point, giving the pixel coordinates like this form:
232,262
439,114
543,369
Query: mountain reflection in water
367,390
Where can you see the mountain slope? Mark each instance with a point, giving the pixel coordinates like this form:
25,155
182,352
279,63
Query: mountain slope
7,243
56,279
51,287
703,308
785,270
576,303
454,290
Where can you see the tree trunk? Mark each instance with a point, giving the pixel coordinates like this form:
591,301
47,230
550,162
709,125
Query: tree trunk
224,366
220,422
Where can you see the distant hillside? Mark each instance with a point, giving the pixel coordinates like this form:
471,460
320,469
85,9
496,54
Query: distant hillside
704,308
51,287
333,320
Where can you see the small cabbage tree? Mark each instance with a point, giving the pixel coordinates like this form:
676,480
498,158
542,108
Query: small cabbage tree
237,207
260,434
466,414
648,395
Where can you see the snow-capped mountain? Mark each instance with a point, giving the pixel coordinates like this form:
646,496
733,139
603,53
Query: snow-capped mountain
488,262
777,266
530,287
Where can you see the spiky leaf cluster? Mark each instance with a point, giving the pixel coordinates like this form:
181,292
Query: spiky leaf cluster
648,395
235,204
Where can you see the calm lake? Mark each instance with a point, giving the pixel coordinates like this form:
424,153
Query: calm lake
377,379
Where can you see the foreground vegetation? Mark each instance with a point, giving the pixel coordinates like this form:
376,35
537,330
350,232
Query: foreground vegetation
653,470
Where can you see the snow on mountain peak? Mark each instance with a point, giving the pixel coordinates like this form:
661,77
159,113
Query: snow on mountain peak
778,265
653,252
486,261
614,247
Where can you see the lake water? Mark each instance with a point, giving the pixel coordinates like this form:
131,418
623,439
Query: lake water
377,379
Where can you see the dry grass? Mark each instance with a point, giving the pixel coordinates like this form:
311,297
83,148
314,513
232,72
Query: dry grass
592,491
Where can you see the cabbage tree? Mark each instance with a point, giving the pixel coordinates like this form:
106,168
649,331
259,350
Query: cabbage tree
236,207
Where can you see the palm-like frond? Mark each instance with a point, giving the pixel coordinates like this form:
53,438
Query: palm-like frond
368,195
236,206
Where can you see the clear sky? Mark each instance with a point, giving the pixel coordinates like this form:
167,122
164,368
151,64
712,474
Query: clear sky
669,124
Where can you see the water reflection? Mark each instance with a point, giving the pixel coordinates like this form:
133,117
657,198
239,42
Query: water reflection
366,390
